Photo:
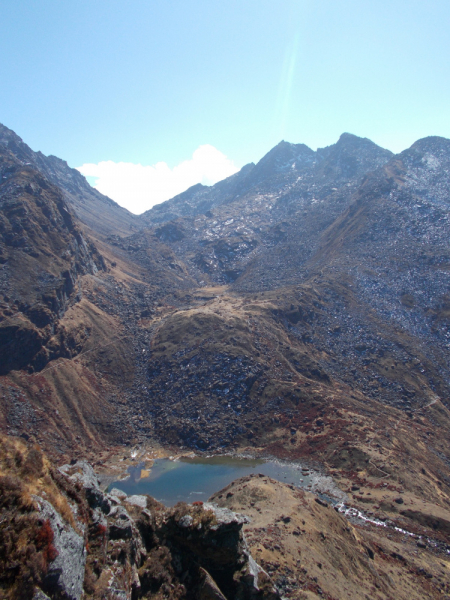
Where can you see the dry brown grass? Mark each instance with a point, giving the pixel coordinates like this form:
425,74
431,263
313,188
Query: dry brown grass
35,473
26,542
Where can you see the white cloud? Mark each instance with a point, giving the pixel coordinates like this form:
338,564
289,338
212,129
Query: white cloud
138,187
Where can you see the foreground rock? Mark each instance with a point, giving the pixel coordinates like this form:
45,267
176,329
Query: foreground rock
62,537
65,573
69,540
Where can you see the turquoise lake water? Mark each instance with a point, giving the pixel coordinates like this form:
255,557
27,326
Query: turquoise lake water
191,479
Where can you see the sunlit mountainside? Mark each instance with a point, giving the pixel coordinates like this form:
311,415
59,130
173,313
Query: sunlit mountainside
298,309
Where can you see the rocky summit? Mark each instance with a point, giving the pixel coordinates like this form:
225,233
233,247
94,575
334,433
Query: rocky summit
297,310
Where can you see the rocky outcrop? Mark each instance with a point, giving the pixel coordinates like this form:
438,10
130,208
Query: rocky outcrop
65,575
64,538
191,550
43,253
83,474
212,536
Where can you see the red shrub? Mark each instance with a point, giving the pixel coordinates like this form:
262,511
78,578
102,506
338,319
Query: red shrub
44,542
101,530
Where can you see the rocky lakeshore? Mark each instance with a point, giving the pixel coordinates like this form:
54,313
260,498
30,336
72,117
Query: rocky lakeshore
83,542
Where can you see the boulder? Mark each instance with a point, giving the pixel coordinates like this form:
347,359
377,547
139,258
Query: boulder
118,493
83,473
140,501
120,524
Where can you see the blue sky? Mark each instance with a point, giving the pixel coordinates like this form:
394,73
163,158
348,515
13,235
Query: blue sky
148,82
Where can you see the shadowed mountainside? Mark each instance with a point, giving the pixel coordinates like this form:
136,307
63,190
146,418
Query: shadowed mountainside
43,253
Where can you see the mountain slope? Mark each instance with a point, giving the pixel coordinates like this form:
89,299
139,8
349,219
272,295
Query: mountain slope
43,253
70,348
314,322
260,235
391,247
98,212
278,172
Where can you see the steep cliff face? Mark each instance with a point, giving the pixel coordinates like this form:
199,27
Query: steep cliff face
42,254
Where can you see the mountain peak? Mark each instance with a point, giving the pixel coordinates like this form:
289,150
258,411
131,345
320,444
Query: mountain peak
7,134
351,140
98,212
282,158
351,156
349,137
433,144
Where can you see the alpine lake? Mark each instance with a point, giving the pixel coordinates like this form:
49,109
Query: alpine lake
193,479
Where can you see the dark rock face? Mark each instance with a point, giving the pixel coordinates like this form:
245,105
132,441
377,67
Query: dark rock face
43,254
20,342
65,575
219,550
